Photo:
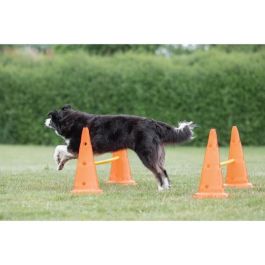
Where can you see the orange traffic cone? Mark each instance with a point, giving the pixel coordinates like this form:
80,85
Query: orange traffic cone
86,180
236,175
120,172
211,185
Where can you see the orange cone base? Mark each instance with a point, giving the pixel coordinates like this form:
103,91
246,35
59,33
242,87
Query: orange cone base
247,185
122,182
205,195
87,191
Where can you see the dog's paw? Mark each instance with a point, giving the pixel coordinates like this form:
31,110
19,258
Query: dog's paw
60,166
166,185
162,188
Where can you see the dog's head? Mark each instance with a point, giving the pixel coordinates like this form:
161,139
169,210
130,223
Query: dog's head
56,117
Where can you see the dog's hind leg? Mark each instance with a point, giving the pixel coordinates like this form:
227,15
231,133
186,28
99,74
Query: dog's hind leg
169,182
161,161
149,155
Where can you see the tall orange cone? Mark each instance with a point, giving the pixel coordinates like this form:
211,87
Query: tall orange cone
120,169
86,180
236,175
211,185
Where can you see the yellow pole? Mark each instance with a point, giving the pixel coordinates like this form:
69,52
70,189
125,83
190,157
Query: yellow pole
227,162
107,160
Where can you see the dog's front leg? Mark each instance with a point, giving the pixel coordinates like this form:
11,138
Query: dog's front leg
57,155
63,161
61,156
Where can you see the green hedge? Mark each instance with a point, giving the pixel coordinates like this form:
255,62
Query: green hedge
212,88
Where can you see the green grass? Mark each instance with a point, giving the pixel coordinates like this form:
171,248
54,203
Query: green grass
32,189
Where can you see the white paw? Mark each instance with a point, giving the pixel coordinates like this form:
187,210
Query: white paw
166,184
59,154
60,166
160,188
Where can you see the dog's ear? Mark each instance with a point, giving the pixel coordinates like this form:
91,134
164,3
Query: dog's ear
66,107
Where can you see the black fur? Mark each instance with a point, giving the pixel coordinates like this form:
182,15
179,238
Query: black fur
110,133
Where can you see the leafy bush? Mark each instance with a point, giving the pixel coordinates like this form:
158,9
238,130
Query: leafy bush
108,49
215,89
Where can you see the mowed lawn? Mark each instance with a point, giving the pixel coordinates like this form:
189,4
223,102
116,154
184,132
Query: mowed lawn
32,189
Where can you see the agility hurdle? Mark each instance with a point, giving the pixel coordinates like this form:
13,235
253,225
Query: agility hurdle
227,162
211,184
86,180
106,161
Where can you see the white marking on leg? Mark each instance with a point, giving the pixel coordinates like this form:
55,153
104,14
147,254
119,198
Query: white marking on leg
58,153
160,188
61,156
65,159
165,183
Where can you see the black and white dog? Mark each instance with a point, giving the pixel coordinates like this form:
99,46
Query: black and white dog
110,133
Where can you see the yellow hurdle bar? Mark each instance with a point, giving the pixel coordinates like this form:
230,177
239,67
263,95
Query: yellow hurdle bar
227,162
107,160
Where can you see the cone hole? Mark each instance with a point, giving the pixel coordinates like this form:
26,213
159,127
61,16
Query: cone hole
83,183
85,143
206,186
84,163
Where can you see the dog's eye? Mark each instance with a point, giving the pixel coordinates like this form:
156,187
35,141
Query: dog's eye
53,114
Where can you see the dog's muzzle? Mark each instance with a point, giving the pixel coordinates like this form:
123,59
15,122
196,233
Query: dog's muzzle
47,123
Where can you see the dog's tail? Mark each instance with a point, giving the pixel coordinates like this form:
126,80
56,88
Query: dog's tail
180,134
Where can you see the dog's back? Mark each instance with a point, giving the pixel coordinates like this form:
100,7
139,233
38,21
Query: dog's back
114,132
